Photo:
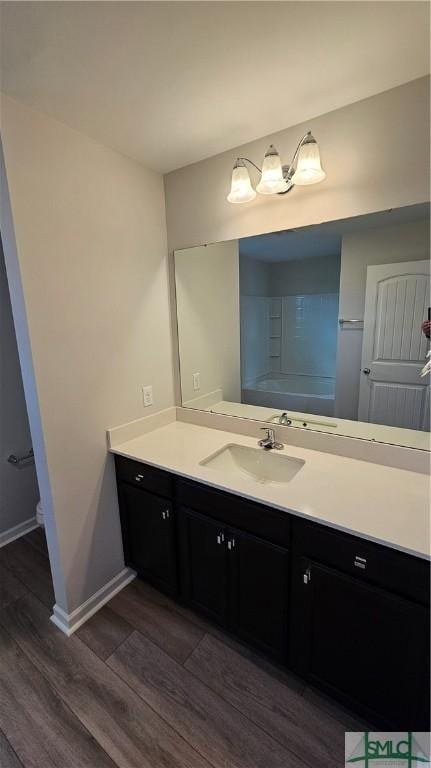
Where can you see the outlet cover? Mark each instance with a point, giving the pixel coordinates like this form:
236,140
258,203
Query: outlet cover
147,392
196,381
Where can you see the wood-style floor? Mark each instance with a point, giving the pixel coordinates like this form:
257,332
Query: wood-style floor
144,684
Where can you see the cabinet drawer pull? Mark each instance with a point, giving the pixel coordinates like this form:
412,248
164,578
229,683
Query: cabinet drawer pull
231,544
360,562
307,576
220,538
139,478
166,514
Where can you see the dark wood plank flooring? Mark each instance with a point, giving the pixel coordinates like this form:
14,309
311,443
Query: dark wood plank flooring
8,758
145,683
30,566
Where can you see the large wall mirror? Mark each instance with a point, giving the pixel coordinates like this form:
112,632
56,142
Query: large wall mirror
322,327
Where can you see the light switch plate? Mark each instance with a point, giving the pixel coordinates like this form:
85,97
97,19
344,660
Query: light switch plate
147,392
196,381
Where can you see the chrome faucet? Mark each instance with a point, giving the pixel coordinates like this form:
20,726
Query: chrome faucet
269,442
284,419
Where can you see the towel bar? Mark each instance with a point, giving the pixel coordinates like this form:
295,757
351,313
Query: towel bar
343,321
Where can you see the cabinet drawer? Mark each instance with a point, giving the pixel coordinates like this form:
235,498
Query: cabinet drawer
232,510
143,476
401,573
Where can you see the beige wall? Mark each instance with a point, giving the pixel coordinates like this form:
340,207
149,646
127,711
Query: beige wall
207,288
386,245
91,244
375,153
19,492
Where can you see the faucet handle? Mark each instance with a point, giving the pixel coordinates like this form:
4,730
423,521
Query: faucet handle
269,432
269,441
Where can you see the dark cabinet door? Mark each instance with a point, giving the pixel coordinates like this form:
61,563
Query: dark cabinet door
149,536
364,645
203,564
258,592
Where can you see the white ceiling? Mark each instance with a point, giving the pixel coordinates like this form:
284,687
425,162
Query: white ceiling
291,245
322,240
170,83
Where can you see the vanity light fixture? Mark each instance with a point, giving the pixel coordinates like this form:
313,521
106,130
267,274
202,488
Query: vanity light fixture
275,178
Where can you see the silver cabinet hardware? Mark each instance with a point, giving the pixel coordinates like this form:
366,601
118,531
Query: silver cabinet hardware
220,538
139,478
307,576
231,544
166,514
367,371
360,562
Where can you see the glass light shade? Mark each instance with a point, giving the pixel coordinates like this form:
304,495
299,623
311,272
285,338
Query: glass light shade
271,180
308,168
241,190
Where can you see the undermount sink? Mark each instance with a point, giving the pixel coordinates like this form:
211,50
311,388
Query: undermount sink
256,463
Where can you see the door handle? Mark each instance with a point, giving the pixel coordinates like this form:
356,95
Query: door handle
231,544
138,478
367,371
220,538
165,514
307,576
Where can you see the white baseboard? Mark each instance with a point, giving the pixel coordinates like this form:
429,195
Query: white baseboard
70,622
17,531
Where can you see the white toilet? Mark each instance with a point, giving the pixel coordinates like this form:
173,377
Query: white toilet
39,514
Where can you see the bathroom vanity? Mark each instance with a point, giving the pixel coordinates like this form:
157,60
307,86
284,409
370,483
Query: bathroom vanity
346,611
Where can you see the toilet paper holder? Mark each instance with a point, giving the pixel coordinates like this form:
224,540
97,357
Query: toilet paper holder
18,461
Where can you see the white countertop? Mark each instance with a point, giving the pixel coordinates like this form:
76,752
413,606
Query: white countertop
386,505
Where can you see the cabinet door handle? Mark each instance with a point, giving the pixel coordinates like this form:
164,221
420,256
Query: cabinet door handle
139,478
231,544
220,538
307,576
360,562
166,514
